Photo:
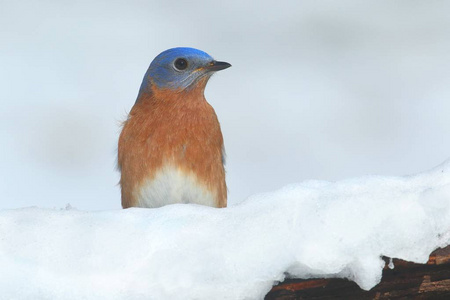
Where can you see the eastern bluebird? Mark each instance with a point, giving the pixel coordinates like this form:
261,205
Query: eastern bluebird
171,146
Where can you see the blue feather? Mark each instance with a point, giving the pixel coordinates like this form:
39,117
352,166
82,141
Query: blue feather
164,75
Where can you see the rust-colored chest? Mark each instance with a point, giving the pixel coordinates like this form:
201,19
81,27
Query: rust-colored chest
171,147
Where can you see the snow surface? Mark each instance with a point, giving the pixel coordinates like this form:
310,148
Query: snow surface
311,229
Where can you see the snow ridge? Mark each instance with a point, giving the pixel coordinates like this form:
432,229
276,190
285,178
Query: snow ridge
310,229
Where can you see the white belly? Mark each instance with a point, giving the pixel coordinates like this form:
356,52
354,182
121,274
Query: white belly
171,185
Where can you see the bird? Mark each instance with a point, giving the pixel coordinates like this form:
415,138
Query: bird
171,147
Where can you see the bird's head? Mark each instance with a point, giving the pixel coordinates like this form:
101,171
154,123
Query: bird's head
180,69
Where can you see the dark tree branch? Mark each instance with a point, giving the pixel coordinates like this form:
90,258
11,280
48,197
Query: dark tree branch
406,281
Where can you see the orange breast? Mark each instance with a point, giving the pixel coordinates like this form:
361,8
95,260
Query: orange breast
166,129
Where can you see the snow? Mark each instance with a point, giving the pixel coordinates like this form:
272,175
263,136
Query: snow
310,229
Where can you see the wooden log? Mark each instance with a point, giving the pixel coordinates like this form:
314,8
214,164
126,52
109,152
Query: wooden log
405,281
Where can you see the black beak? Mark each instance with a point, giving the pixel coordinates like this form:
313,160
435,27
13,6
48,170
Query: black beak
217,66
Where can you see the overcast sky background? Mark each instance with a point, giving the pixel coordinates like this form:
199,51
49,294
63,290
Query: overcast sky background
318,90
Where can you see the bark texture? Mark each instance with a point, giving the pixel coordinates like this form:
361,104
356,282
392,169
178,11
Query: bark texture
405,281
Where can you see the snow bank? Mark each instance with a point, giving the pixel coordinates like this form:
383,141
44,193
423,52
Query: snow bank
311,229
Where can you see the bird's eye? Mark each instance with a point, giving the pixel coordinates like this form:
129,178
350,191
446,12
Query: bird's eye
180,64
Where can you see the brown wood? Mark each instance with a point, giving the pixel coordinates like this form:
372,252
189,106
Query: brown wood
406,281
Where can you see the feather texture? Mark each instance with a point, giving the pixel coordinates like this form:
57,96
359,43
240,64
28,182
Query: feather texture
171,150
